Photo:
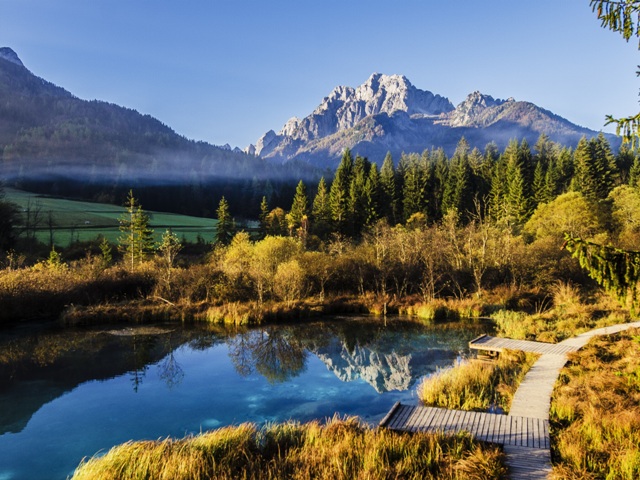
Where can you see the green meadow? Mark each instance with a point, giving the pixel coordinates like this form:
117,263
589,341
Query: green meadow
71,220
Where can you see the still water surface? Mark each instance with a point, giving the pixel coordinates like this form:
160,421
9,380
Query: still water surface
67,394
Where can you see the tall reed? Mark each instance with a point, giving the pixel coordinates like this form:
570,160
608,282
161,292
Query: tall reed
476,385
341,449
595,410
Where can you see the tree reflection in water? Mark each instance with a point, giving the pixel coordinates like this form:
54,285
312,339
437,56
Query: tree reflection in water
170,370
274,352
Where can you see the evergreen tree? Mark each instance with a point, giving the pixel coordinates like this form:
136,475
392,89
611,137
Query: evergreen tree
517,202
372,196
624,163
321,211
439,173
414,185
594,169
564,171
634,172
339,200
136,240
262,219
299,208
458,192
539,187
357,194
389,191
225,228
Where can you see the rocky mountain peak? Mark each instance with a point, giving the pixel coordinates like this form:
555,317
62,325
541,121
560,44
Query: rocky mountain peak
11,56
467,112
387,113
345,106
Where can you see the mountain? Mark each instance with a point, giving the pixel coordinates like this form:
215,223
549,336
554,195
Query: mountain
388,114
46,132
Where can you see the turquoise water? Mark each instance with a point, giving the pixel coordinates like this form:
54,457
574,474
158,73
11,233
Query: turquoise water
67,394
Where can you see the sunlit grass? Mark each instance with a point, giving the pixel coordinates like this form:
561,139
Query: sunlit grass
476,385
341,449
595,411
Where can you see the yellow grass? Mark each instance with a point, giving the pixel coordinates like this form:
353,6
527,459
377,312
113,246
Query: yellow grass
595,411
476,385
341,449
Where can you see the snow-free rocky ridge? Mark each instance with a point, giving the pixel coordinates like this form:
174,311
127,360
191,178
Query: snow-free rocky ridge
388,113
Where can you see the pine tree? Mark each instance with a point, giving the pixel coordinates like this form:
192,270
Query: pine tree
299,208
357,194
616,270
624,163
439,165
414,186
634,173
458,192
225,227
594,169
262,219
539,187
321,211
372,196
136,240
389,191
518,207
339,200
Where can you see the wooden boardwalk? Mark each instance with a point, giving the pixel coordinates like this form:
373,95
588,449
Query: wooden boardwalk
495,344
524,433
490,427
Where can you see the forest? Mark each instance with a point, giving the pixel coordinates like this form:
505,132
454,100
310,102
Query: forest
481,230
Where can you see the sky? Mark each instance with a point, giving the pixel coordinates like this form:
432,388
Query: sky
227,71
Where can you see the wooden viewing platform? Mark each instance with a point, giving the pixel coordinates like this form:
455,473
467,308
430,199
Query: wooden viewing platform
488,343
489,427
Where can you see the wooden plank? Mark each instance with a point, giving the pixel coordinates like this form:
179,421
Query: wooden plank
485,427
390,414
473,423
427,418
437,421
502,429
404,415
401,414
416,420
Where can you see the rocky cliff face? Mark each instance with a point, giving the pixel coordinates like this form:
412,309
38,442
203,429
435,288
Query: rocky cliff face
387,113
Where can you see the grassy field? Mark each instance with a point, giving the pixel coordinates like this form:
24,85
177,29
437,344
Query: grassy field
72,220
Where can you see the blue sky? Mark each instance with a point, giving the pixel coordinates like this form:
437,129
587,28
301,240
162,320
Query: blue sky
228,71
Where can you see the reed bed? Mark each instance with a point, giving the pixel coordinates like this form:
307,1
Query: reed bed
340,449
477,385
595,411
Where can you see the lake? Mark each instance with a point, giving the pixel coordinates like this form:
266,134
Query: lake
70,393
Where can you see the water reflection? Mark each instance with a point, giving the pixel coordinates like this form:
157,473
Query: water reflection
68,393
274,352
37,366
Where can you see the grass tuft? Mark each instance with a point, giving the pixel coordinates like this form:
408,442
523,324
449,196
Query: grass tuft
340,449
477,385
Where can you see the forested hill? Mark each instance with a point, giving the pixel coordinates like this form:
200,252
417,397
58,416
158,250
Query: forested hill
53,142
45,130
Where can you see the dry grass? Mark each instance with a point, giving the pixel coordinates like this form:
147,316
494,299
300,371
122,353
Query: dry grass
595,410
445,310
475,385
341,449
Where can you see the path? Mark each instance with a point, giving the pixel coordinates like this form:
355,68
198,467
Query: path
524,432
